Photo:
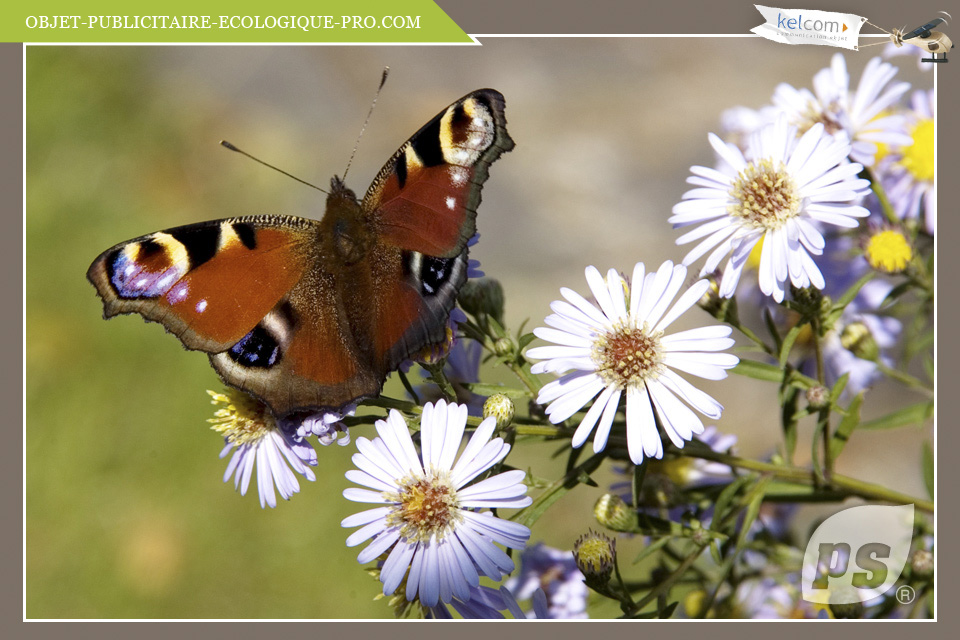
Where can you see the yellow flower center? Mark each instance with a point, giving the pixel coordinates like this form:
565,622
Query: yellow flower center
244,420
889,251
426,506
765,196
628,355
918,157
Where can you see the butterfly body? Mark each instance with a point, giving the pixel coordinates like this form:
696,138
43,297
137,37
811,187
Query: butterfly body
312,315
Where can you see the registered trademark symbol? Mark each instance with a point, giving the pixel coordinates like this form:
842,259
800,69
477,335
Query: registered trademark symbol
906,594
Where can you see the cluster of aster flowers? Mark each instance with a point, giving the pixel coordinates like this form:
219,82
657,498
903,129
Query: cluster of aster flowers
814,218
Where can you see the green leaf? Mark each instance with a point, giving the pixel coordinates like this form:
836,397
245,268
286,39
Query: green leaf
852,292
928,468
650,549
915,414
838,388
754,500
726,498
668,610
772,328
846,427
788,341
819,433
789,419
896,292
524,340
758,370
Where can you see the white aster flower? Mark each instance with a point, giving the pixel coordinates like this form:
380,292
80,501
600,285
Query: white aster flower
274,448
859,116
775,194
431,522
621,348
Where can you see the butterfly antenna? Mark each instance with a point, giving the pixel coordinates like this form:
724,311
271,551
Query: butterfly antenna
230,146
383,81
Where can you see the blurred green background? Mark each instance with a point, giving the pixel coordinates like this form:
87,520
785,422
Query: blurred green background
126,513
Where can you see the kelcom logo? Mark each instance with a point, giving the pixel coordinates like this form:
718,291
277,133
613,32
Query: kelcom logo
799,24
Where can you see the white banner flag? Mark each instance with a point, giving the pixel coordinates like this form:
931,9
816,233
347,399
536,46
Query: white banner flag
800,26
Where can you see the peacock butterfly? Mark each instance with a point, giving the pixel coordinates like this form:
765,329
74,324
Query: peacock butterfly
312,315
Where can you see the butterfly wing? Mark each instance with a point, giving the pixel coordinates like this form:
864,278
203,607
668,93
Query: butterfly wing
423,207
208,283
254,292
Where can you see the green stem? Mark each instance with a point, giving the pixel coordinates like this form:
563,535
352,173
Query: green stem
668,582
529,381
881,194
851,486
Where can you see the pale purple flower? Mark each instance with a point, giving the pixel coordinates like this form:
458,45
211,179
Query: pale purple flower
621,349
555,572
907,171
327,426
430,521
276,452
856,116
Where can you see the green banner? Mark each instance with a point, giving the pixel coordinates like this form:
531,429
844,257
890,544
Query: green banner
281,21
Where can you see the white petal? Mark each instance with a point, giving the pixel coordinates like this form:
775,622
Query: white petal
395,567
365,517
689,298
606,421
696,398
379,544
642,436
600,292
562,337
363,478
581,303
590,419
636,288
367,531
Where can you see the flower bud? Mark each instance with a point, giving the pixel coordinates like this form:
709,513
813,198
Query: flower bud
857,339
595,554
921,563
482,296
612,512
500,407
818,396
504,347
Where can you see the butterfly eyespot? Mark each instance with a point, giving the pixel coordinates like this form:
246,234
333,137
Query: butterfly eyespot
256,349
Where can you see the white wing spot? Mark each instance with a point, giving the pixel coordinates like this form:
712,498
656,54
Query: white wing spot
458,176
139,283
451,202
202,306
129,270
